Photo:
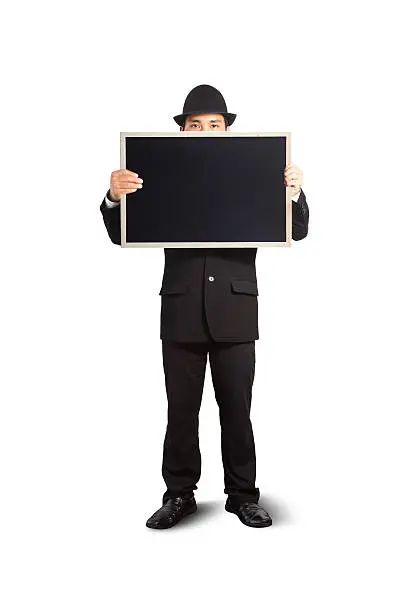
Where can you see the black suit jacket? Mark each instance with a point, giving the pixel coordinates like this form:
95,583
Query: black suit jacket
210,293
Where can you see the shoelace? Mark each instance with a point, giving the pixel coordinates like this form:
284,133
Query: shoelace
252,505
175,504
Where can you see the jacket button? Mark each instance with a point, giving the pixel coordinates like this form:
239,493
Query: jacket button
210,278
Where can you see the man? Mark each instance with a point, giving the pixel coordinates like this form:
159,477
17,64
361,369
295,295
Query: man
209,306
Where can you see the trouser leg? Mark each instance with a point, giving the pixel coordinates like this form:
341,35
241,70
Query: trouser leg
233,370
184,369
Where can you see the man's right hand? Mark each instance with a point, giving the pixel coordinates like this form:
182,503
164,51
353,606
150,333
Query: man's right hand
122,182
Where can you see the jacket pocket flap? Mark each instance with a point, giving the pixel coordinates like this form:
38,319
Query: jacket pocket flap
244,286
173,288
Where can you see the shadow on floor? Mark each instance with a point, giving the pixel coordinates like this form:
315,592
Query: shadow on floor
277,508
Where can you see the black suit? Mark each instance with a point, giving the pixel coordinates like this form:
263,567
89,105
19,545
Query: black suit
209,305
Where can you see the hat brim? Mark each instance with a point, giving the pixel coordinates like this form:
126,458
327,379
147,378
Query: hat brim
179,119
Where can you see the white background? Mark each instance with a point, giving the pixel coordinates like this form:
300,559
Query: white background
83,408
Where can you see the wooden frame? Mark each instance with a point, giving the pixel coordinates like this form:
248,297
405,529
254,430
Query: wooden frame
205,134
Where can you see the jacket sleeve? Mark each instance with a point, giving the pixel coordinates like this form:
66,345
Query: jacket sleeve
111,218
300,217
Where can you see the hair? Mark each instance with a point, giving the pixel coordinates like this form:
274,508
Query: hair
225,121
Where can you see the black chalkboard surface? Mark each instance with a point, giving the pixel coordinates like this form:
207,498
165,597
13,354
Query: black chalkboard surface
206,189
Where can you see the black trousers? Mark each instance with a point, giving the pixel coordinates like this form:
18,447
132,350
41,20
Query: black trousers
232,369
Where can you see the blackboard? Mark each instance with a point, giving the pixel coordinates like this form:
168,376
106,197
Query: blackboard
207,189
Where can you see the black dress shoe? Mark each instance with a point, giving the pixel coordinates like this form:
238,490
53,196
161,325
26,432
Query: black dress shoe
171,512
250,513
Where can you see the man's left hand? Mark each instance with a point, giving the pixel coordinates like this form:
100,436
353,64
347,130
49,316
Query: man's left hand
293,178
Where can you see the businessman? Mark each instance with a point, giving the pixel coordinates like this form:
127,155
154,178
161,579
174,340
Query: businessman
209,308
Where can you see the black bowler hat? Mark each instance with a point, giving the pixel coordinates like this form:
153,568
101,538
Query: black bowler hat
204,99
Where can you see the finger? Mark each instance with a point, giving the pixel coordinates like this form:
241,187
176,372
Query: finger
130,184
126,184
126,172
132,174
126,191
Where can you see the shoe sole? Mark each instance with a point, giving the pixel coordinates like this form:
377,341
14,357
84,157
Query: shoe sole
268,524
186,513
